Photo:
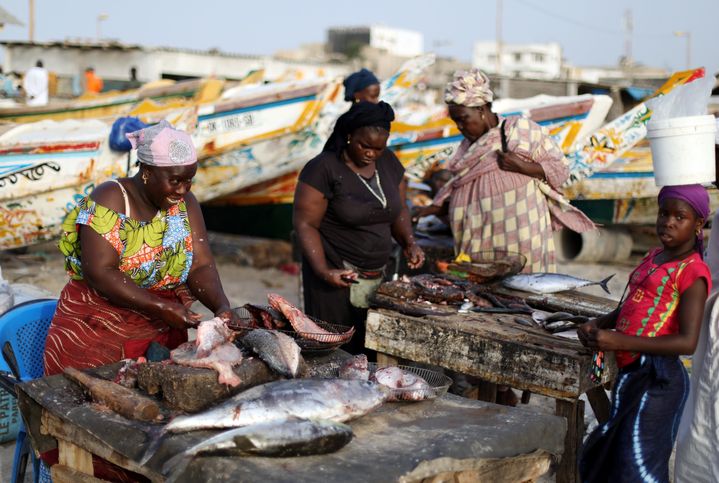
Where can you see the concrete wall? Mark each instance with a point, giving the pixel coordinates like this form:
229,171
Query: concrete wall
400,42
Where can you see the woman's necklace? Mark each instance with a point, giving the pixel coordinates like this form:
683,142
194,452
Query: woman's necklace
380,197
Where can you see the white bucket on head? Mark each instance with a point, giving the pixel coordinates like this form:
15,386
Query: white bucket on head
683,150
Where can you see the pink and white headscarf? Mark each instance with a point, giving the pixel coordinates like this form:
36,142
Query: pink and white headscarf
163,145
469,88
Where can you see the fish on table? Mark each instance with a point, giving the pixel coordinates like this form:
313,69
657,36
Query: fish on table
278,350
279,438
545,283
336,400
333,399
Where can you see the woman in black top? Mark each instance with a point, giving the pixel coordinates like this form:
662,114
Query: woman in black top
349,204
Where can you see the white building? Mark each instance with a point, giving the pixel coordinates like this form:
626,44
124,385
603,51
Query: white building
112,61
535,61
399,42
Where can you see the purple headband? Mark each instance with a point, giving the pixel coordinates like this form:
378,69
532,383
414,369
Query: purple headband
163,145
696,196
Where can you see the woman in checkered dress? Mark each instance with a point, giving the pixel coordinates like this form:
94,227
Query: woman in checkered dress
503,194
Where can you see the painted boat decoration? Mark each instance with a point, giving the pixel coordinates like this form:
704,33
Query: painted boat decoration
250,135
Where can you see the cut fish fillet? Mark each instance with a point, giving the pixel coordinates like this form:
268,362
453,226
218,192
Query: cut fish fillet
302,324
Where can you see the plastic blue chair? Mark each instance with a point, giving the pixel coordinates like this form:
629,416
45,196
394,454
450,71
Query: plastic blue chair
23,330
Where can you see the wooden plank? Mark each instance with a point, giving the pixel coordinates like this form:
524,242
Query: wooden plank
526,467
599,401
496,350
386,360
74,457
104,448
64,474
573,411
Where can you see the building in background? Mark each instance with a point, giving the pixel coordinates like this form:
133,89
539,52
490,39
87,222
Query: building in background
398,42
112,61
532,61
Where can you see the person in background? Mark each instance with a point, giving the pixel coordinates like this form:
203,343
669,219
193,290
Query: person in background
349,204
362,86
133,83
35,84
698,435
659,320
497,198
93,82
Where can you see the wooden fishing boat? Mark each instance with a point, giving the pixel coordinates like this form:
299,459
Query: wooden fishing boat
250,134
115,103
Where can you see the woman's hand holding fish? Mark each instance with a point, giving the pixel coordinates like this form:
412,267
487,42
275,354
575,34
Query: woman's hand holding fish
340,278
584,331
228,315
414,255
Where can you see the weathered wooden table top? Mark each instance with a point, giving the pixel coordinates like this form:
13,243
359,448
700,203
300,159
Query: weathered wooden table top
391,442
495,347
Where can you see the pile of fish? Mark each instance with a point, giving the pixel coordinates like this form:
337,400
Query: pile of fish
288,417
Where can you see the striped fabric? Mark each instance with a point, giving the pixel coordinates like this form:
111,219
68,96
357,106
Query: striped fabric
89,331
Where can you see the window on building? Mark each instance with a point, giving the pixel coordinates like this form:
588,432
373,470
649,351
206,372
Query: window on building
538,58
492,58
517,56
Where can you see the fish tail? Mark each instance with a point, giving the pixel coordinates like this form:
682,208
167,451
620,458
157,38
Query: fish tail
156,436
176,465
604,283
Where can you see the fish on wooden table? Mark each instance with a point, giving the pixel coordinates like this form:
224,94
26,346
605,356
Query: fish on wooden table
336,400
544,283
280,438
278,350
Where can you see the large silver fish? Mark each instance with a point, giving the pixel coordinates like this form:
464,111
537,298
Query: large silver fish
278,350
284,437
333,399
543,283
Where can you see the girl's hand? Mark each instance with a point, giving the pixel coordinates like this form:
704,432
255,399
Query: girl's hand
584,330
339,278
414,255
602,339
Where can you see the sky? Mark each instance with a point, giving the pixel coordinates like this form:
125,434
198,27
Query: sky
590,33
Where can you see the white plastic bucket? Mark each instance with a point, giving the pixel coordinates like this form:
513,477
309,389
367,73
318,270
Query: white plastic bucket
683,150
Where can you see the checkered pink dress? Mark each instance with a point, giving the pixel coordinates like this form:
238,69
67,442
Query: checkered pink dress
490,208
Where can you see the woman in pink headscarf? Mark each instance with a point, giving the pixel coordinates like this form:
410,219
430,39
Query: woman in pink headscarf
506,173
137,254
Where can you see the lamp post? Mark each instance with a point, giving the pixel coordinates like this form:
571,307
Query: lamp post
688,35
100,18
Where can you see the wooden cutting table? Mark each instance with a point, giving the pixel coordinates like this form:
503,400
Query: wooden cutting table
499,350
430,441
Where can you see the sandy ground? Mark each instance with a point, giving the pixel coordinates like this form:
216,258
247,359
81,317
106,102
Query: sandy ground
42,266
